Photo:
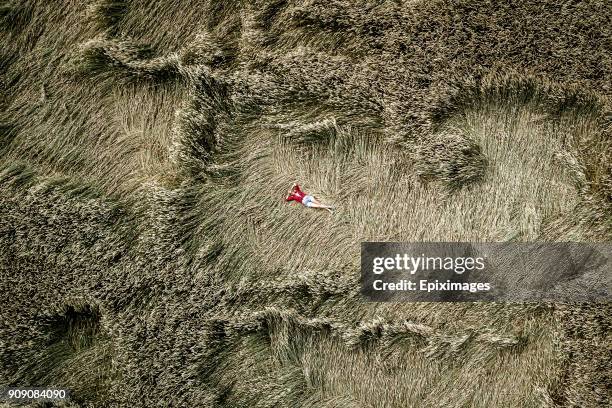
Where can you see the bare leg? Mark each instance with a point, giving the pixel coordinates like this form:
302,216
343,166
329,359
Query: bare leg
317,204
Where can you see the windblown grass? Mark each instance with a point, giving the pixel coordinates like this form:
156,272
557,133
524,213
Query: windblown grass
147,254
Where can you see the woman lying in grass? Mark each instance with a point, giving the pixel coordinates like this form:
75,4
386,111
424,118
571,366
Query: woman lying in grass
296,194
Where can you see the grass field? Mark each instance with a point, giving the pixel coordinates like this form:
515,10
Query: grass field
147,257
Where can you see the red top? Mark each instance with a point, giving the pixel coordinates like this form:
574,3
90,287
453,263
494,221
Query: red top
296,195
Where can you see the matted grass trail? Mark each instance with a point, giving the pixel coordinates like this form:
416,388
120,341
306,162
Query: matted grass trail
530,177
150,259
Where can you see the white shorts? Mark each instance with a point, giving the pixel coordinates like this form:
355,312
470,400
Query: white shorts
307,200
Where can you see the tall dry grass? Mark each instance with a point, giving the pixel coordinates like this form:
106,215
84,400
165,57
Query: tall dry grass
148,255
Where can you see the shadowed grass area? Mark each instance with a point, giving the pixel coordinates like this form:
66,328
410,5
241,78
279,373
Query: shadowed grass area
77,355
108,14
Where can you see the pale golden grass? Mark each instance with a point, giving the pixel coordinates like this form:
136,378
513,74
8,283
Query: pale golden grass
530,180
175,244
